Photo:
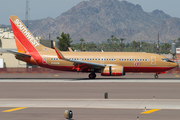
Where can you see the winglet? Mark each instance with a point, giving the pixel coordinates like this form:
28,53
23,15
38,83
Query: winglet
59,54
70,50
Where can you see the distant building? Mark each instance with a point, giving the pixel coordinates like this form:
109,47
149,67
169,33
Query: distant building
6,33
9,58
47,43
178,53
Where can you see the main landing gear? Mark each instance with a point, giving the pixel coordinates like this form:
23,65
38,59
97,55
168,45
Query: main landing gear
92,75
156,76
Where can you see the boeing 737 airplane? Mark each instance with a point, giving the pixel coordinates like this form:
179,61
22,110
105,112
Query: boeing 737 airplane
106,63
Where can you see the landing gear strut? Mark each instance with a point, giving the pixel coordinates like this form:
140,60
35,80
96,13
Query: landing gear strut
92,76
156,76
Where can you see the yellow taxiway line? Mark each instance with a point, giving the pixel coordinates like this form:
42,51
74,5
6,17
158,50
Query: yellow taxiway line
150,111
10,110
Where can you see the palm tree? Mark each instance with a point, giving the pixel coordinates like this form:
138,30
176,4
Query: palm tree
109,41
112,38
116,44
122,44
82,40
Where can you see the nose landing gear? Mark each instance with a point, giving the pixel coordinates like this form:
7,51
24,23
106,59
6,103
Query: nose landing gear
156,76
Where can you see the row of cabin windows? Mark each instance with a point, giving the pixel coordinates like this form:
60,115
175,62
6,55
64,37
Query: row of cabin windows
134,60
93,59
105,59
55,59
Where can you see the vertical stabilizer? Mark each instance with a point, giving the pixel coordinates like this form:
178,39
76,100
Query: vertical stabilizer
25,41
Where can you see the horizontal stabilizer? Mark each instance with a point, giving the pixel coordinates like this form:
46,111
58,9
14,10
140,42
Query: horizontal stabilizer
19,54
6,50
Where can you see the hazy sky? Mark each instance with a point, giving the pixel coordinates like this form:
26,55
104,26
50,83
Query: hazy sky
53,8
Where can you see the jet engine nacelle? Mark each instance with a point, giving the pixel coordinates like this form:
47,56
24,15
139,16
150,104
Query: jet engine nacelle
112,71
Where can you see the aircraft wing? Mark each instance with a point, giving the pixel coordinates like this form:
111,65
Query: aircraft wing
15,52
60,56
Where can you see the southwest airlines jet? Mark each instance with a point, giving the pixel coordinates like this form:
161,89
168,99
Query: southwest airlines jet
106,63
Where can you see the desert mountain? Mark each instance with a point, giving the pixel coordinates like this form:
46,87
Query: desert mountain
97,20
167,29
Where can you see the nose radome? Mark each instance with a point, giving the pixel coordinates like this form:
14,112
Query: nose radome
174,65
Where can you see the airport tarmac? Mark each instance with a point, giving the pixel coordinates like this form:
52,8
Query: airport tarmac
47,97
87,114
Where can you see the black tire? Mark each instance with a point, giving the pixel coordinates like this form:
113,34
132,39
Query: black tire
156,76
92,76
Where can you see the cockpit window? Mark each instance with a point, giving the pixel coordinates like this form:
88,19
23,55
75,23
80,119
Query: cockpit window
166,60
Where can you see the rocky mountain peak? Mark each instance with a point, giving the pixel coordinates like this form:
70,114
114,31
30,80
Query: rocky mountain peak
97,20
159,14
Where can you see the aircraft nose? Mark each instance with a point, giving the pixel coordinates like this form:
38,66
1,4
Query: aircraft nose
174,64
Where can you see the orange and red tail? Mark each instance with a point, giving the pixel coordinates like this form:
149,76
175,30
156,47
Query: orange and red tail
25,41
